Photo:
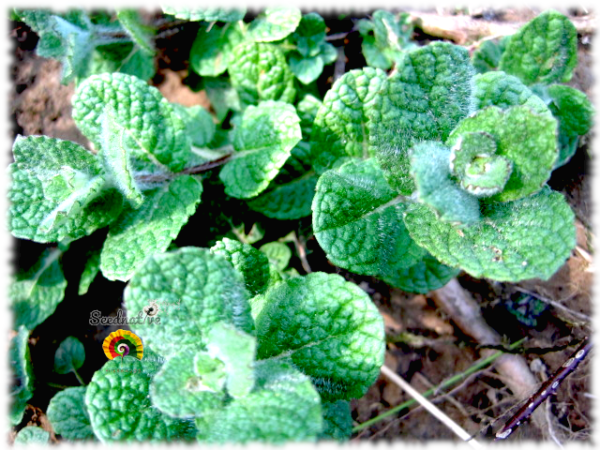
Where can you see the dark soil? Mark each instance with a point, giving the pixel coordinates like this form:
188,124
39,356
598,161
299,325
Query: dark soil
424,346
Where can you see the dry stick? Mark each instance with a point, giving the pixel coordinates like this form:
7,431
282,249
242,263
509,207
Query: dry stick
430,407
546,390
466,314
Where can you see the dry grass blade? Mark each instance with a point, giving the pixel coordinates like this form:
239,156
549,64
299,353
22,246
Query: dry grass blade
434,410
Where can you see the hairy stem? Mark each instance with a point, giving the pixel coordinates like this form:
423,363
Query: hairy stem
156,178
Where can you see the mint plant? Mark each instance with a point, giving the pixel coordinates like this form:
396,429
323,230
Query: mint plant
543,65
89,44
409,176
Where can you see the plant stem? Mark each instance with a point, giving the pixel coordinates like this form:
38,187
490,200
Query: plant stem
78,377
476,367
156,178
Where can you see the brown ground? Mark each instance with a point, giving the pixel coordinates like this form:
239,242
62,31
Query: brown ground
424,346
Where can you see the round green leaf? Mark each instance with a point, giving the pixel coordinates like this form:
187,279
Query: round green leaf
543,51
250,262
69,356
155,132
57,191
68,414
32,435
261,73
329,328
120,409
528,238
274,24
263,142
357,219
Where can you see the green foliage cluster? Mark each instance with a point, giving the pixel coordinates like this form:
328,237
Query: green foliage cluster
410,176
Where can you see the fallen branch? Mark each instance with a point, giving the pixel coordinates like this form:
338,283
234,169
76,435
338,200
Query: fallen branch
463,28
466,314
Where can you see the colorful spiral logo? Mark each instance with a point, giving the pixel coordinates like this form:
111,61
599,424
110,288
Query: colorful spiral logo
123,343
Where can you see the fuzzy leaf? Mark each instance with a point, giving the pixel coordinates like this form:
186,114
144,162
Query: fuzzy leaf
284,407
391,35
36,294
69,356
261,73
337,421
237,350
57,191
278,254
209,288
425,276
430,168
528,238
178,391
69,416
22,373
90,270
519,133
32,435
543,51
328,328
357,219
263,142
430,92
120,409
148,230
69,41
155,133
341,127
487,56
198,122
474,162
206,14
275,23
141,35
250,262
115,156
287,201
212,50
503,90
572,108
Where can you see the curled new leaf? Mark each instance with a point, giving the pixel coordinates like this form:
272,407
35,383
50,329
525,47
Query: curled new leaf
518,133
430,169
474,162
